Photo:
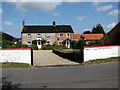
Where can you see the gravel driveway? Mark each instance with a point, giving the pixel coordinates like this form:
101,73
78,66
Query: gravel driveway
47,58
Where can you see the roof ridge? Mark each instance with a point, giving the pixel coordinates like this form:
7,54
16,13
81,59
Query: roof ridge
47,25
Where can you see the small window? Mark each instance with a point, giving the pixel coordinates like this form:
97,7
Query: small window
38,35
61,35
48,42
29,43
29,36
47,35
60,43
68,34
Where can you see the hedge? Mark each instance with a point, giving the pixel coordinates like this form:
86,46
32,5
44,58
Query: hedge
73,56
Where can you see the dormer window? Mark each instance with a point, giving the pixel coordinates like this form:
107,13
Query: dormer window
29,36
61,35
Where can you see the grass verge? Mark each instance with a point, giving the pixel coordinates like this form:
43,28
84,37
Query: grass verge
15,65
106,60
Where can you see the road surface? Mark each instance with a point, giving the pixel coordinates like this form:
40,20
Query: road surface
83,76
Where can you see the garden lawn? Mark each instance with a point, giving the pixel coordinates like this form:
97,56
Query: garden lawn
106,60
15,65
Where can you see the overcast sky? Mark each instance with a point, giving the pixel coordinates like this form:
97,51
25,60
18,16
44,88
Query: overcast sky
81,15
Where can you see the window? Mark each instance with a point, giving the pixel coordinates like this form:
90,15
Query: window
48,42
29,36
47,35
61,35
38,35
68,34
60,43
29,43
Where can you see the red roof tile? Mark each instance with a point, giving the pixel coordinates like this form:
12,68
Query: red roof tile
88,36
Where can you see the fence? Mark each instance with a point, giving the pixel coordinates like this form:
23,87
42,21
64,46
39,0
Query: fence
20,55
100,52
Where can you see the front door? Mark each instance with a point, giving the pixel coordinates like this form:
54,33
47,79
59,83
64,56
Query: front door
67,44
39,44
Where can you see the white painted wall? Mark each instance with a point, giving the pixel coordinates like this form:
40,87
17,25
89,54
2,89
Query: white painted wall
100,52
16,55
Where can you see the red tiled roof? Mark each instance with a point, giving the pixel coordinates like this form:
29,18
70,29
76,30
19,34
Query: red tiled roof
88,36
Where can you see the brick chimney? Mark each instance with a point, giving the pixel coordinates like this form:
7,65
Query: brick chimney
53,23
23,23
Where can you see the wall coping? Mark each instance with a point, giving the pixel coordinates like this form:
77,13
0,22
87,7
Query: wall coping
100,46
16,49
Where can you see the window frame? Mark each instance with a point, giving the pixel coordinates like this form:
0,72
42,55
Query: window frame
47,35
67,34
29,36
60,34
60,42
47,42
29,42
39,36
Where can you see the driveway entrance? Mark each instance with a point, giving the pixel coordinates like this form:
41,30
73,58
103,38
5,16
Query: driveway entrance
47,58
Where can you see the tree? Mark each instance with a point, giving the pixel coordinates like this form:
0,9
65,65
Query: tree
98,29
78,44
87,32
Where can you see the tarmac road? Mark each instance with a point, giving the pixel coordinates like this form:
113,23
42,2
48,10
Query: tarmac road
86,76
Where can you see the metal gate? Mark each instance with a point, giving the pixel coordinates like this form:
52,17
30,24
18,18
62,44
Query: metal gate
78,55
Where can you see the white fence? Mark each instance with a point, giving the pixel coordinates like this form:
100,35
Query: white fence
20,55
100,52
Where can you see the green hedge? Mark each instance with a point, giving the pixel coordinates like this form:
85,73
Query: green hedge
73,56
51,47
34,47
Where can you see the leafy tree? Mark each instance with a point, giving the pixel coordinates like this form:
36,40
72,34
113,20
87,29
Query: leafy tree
81,43
78,44
87,32
15,40
6,43
6,36
98,29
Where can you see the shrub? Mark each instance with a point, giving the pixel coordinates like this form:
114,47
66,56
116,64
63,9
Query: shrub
34,42
24,46
34,47
97,43
78,44
54,44
43,41
51,47
13,46
6,43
